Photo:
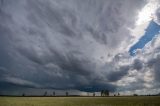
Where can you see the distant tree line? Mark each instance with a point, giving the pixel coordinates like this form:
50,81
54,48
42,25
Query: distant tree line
54,93
105,93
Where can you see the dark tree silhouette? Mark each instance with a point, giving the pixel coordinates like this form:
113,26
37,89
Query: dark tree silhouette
54,94
45,93
67,94
23,94
94,94
104,93
135,94
118,94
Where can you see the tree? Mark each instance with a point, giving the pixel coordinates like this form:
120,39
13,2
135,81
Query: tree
106,93
54,93
45,93
118,94
135,94
94,94
66,93
23,94
102,92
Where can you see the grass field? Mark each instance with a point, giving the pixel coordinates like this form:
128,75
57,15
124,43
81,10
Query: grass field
79,101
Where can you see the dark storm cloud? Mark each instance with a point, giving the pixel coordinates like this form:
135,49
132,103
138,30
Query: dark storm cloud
137,64
58,44
100,37
97,87
53,17
154,64
117,75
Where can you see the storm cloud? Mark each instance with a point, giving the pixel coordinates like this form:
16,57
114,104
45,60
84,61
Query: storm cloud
73,44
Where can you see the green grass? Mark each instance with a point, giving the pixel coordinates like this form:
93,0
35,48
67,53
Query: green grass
80,101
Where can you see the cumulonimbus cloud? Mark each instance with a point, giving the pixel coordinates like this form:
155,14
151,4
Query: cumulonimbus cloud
72,44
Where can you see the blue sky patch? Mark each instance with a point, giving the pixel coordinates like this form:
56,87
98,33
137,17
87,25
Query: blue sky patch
151,31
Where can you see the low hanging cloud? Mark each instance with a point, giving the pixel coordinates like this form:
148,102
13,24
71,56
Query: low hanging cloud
74,44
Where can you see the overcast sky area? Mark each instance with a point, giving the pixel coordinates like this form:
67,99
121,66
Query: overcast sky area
78,44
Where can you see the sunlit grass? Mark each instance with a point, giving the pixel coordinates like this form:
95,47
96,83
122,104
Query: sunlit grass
79,101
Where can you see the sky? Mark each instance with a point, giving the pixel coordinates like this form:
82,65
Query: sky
80,45
151,31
